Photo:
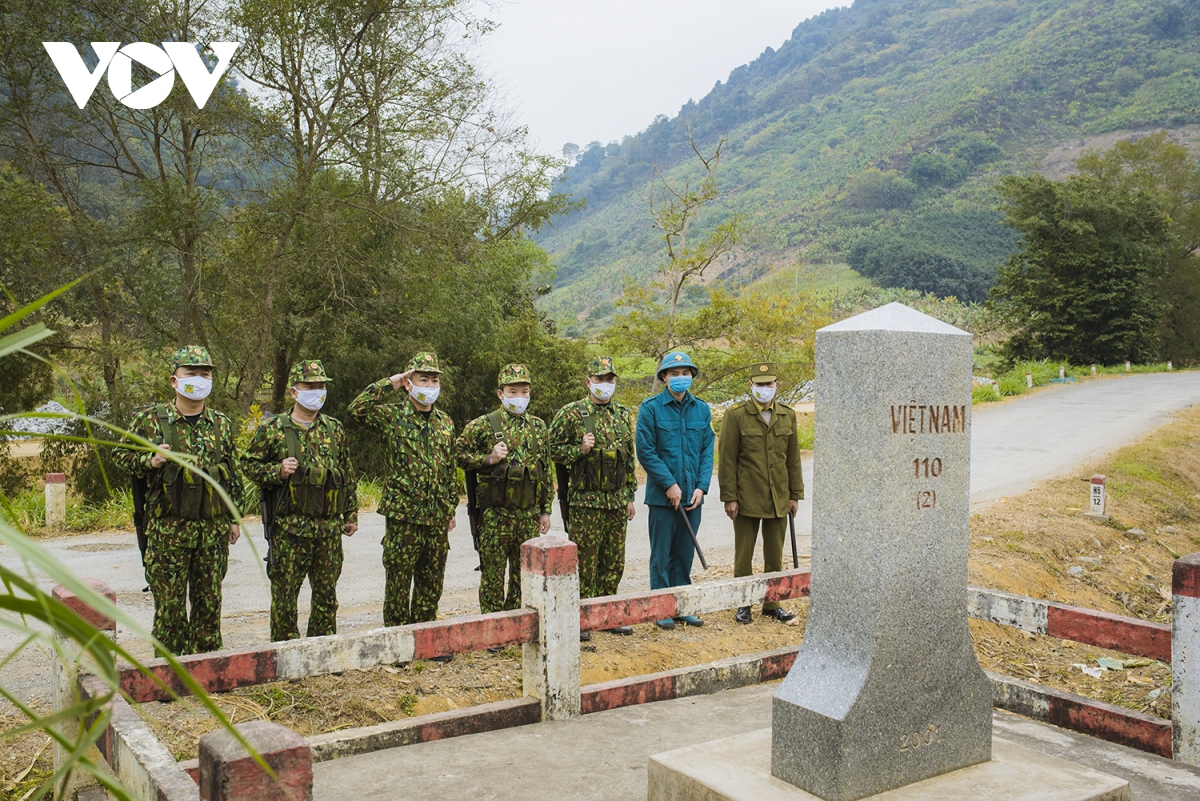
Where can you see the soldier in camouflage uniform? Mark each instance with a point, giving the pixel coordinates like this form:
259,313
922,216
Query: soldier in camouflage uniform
593,439
421,491
510,451
300,452
189,528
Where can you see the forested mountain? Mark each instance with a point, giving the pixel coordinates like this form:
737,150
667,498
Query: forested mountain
875,134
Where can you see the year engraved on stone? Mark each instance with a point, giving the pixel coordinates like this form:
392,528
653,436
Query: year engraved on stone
926,499
931,734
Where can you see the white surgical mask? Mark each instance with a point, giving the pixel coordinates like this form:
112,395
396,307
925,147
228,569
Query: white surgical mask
763,393
424,394
604,391
195,387
516,405
311,398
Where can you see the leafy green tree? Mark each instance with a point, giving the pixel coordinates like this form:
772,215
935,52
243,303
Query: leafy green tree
874,189
1083,285
896,263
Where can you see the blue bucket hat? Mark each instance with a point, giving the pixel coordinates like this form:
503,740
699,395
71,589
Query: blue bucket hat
677,358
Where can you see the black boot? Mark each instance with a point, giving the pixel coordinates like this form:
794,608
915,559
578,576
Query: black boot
781,614
625,630
585,636
742,615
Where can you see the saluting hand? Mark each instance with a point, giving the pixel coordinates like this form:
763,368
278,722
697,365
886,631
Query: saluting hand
400,379
158,460
288,466
499,453
589,442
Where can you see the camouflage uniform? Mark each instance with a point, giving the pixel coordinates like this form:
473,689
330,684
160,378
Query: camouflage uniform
186,558
501,531
419,497
303,546
598,518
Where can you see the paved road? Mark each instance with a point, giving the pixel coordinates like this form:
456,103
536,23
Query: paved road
1015,445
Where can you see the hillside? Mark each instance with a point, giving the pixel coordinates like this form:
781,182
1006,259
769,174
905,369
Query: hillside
890,119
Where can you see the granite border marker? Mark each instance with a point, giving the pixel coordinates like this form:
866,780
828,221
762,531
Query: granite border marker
886,690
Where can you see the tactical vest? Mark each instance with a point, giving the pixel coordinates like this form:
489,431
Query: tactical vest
311,491
601,470
507,485
177,491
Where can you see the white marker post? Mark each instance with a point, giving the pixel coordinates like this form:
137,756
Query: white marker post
56,500
1097,500
1093,369
1169,365
1127,365
1029,380
1062,372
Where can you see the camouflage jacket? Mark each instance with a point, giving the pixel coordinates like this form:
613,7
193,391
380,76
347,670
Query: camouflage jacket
613,423
211,433
323,444
422,485
528,444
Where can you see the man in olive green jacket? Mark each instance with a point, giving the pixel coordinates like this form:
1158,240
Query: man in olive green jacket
760,478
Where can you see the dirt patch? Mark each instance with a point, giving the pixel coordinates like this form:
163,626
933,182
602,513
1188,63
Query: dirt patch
1060,161
26,760
366,697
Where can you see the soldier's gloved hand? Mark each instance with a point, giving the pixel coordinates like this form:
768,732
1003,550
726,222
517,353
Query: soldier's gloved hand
630,511
543,524
288,466
350,529
589,442
731,509
158,460
498,454
235,534
451,524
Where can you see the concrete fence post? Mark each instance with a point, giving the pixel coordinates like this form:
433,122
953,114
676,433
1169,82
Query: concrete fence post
1185,659
550,585
56,500
229,773
65,692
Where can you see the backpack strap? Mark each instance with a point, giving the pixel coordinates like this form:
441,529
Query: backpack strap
169,432
589,420
497,424
290,437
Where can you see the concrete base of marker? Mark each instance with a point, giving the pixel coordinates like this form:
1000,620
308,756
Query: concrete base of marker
739,769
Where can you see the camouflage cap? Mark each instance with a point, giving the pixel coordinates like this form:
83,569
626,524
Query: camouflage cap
514,374
191,356
762,373
425,362
601,365
308,372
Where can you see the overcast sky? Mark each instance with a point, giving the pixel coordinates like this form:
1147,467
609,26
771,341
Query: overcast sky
578,71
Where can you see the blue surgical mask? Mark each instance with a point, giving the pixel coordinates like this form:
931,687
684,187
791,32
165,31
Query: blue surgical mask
679,383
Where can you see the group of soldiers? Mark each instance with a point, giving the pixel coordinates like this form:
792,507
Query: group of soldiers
301,462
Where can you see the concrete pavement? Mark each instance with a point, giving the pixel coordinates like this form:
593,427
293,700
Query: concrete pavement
602,757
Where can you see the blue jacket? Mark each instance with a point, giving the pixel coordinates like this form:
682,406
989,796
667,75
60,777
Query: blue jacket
674,446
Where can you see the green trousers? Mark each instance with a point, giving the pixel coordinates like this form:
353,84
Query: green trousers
745,535
501,532
600,537
177,575
414,559
319,559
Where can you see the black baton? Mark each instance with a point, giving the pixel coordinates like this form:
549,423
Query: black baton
792,524
691,532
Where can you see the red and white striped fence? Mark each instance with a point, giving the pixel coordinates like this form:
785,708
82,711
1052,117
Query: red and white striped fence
548,631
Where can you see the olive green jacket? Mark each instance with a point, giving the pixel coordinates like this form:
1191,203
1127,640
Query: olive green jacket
759,463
